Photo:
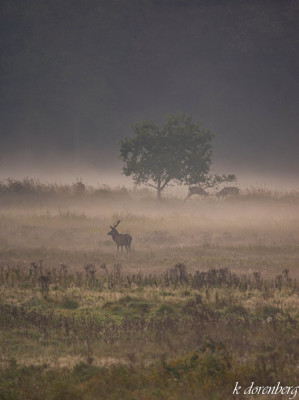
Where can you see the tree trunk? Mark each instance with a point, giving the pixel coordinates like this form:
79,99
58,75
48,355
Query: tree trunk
159,191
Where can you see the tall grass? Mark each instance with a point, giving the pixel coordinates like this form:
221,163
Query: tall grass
171,333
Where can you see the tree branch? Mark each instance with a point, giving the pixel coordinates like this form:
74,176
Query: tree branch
149,184
165,183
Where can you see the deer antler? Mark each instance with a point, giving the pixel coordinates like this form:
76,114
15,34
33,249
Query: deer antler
116,224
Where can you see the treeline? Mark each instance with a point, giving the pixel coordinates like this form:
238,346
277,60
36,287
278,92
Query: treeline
33,189
28,189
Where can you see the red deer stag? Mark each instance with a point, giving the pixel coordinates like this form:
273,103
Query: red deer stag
121,239
228,191
196,190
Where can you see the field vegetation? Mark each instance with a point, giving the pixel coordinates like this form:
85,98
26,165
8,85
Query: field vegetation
207,297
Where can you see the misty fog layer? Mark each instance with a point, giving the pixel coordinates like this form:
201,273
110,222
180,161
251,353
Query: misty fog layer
256,230
76,75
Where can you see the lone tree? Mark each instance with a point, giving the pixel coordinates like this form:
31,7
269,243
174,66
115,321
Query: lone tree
180,151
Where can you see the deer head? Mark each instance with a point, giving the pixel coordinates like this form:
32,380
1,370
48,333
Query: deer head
113,228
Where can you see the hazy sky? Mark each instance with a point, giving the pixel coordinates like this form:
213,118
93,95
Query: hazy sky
75,74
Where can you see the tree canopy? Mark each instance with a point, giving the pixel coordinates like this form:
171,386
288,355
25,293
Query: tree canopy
179,151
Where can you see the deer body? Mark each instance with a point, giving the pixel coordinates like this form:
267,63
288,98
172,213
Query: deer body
228,191
121,239
196,190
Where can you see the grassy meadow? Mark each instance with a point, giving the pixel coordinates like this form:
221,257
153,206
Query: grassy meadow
207,297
